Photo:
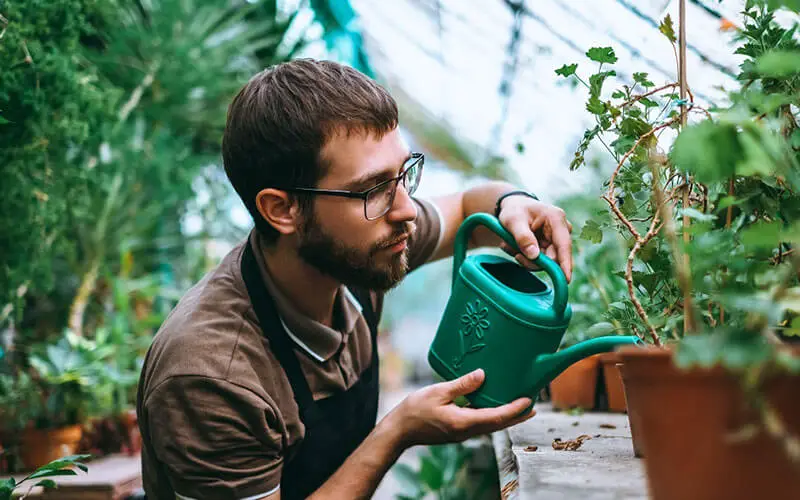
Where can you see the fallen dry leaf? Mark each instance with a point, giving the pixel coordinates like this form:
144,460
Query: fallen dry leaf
531,448
570,444
608,426
509,488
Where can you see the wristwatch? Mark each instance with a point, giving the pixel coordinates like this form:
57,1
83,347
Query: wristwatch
512,193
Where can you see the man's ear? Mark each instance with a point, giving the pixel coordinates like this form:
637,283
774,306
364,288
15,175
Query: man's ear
279,210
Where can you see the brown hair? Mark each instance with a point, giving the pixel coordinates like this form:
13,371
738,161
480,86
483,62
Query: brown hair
282,118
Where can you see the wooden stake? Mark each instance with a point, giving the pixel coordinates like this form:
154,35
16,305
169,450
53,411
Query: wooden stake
688,311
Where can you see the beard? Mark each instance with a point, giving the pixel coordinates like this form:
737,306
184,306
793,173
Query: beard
372,269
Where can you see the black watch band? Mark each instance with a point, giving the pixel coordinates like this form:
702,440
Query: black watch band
511,193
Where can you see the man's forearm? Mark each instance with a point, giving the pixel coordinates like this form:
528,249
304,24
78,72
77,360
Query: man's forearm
483,198
360,474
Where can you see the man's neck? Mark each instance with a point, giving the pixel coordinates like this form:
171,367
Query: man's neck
311,292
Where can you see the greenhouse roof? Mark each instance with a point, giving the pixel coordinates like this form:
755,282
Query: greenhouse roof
485,69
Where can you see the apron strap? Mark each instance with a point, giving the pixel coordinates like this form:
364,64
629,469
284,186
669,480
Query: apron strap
282,345
365,299
272,328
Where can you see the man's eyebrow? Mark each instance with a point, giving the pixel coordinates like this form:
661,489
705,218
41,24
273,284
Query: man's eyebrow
366,181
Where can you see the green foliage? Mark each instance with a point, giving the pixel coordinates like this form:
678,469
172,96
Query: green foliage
60,467
442,474
595,288
112,113
738,169
54,106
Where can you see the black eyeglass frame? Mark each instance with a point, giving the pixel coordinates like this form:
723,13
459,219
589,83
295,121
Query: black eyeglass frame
416,159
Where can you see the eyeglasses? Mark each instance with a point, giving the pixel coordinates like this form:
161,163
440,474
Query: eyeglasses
379,199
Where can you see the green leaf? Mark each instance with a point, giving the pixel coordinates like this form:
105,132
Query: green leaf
588,136
648,103
595,106
596,82
59,464
431,474
793,5
602,55
3,121
46,483
727,201
599,329
641,79
592,232
567,70
762,234
633,126
8,484
618,94
778,63
668,29
708,150
51,472
408,478
696,214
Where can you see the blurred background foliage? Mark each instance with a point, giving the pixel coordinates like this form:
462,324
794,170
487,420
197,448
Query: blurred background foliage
111,114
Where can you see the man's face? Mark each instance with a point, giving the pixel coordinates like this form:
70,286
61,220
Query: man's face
336,237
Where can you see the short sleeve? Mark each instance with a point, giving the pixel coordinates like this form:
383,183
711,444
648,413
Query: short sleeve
215,439
426,238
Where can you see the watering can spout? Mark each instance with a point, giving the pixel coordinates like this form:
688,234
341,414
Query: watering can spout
546,367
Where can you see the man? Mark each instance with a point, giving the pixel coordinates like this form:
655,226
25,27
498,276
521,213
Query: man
263,381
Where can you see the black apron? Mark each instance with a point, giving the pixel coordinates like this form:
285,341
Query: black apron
336,425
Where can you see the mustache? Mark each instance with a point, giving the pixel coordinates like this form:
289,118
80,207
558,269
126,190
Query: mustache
401,232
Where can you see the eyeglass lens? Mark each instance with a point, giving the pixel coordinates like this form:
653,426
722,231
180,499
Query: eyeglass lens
380,200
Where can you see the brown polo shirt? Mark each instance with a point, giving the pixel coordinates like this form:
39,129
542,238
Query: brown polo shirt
216,410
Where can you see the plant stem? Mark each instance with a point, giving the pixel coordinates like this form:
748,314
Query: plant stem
78,307
647,94
681,264
728,220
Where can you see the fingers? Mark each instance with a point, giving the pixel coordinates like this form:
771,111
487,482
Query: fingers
486,420
463,385
562,244
520,228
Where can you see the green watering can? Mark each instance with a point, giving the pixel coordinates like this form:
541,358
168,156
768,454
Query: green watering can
504,319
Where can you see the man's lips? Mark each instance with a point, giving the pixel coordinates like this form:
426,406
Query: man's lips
398,244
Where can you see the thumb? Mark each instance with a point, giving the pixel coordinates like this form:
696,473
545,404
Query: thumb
465,384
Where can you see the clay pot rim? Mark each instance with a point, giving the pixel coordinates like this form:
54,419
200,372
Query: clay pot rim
67,430
649,350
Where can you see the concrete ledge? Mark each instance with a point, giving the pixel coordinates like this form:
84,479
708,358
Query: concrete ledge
603,467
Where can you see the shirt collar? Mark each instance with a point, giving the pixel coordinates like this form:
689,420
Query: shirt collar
319,341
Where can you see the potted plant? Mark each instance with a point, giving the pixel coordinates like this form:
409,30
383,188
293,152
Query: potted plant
71,381
707,201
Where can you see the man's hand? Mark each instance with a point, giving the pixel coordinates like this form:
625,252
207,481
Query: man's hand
537,226
429,415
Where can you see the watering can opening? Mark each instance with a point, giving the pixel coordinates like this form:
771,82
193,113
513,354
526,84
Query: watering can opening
514,276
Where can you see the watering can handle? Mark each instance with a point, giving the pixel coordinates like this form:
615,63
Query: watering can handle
560,290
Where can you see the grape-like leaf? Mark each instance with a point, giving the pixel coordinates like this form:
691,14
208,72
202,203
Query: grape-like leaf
668,29
567,70
602,55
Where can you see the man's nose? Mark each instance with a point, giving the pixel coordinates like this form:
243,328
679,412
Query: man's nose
403,208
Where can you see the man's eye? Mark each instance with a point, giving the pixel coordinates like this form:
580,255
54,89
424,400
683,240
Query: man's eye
382,188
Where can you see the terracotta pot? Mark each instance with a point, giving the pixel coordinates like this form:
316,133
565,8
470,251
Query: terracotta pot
686,420
130,424
39,447
613,382
575,387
